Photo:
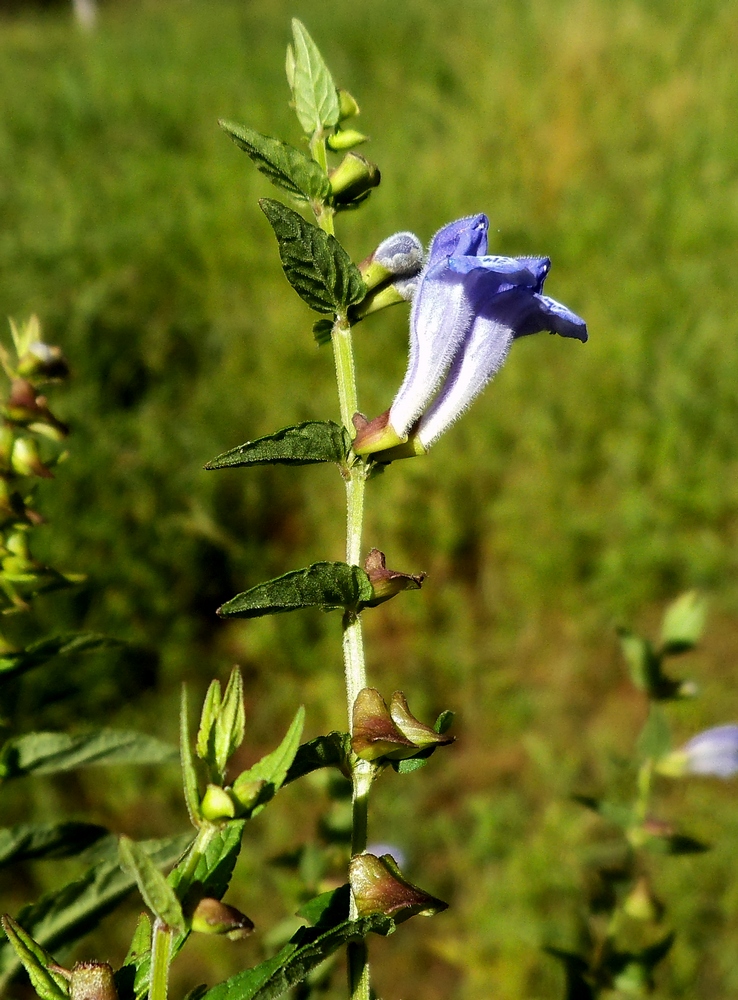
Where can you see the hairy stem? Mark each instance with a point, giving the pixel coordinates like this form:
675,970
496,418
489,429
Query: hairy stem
353,643
161,956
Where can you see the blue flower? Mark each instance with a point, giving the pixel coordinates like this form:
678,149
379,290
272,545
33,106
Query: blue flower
467,310
714,751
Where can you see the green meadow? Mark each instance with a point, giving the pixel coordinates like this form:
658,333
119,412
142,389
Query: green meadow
588,487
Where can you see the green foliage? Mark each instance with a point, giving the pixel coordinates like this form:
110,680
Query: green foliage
684,622
156,891
273,769
309,442
63,916
324,585
50,753
38,963
30,841
285,166
315,263
316,100
12,664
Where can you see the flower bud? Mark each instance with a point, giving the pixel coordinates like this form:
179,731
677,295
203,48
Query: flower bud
246,791
217,804
213,917
399,255
378,886
421,735
43,363
386,583
26,460
641,904
347,138
348,106
92,981
374,734
353,179
712,752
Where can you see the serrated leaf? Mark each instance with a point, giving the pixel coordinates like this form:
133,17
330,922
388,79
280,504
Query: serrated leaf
316,99
273,768
49,753
324,751
157,893
187,761
322,331
315,263
61,917
32,841
285,166
48,984
305,951
304,444
40,652
324,585
684,623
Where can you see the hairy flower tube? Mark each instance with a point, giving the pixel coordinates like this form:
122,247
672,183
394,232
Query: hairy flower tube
712,752
467,310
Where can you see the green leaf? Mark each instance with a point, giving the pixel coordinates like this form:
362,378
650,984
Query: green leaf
444,722
324,585
316,99
305,951
411,764
322,331
655,737
285,166
684,623
48,984
157,893
211,877
273,768
205,745
38,653
304,444
328,908
643,663
67,914
676,844
187,761
141,940
612,812
315,263
230,725
332,750
49,753
31,841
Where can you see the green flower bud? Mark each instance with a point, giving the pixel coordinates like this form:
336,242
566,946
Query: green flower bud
378,886
43,363
26,460
348,106
217,804
211,916
641,904
246,792
353,179
92,981
345,139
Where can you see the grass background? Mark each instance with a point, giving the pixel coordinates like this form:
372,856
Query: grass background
586,488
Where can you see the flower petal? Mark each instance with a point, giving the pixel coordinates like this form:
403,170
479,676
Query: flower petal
529,272
714,751
543,313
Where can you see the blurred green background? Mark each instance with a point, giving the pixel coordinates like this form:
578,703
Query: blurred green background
586,488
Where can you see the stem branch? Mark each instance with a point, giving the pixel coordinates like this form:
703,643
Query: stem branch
161,955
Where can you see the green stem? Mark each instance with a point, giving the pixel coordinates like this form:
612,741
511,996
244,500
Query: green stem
161,954
362,771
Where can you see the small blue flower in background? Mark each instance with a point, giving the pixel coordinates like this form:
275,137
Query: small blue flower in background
467,310
396,853
714,751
